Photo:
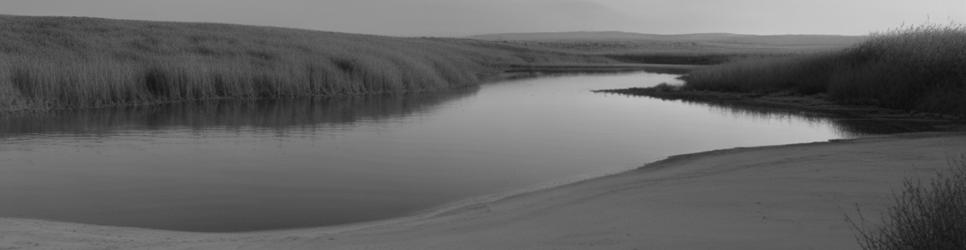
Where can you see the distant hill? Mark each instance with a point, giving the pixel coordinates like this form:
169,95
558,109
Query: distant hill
597,36
616,42
698,37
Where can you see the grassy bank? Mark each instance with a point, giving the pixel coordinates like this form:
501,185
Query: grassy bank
66,62
919,69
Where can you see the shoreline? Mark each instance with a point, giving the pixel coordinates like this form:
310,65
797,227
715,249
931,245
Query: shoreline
593,212
817,104
600,68
506,73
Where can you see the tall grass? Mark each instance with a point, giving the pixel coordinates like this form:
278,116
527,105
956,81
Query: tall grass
929,216
62,62
918,69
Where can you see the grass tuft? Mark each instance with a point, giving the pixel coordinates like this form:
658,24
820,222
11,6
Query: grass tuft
925,216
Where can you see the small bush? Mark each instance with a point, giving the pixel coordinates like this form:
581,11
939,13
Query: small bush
925,216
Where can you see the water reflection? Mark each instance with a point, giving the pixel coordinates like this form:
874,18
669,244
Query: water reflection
243,166
846,126
277,115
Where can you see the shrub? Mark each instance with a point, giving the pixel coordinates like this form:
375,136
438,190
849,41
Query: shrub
924,216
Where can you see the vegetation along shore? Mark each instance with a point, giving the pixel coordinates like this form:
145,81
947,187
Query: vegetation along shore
50,63
779,196
913,70
916,73
71,62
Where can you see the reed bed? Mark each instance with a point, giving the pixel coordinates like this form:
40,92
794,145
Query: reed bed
925,216
917,69
66,62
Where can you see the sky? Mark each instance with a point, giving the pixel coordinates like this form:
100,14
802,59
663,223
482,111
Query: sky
470,17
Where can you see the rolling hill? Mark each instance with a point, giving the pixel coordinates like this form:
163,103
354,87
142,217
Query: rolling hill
704,48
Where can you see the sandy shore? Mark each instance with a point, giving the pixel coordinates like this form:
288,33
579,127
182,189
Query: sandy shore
776,197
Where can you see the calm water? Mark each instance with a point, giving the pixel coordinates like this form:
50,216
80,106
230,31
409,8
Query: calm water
241,166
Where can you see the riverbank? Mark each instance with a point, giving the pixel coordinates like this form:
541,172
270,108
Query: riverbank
61,63
817,103
904,69
774,197
601,68
54,63
524,71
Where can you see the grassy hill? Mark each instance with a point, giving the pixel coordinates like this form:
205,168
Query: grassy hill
705,48
71,62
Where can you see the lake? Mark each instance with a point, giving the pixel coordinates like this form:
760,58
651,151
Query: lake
232,166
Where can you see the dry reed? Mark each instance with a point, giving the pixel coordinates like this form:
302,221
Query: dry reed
917,69
67,62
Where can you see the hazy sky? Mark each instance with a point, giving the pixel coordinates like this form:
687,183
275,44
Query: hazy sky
466,17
